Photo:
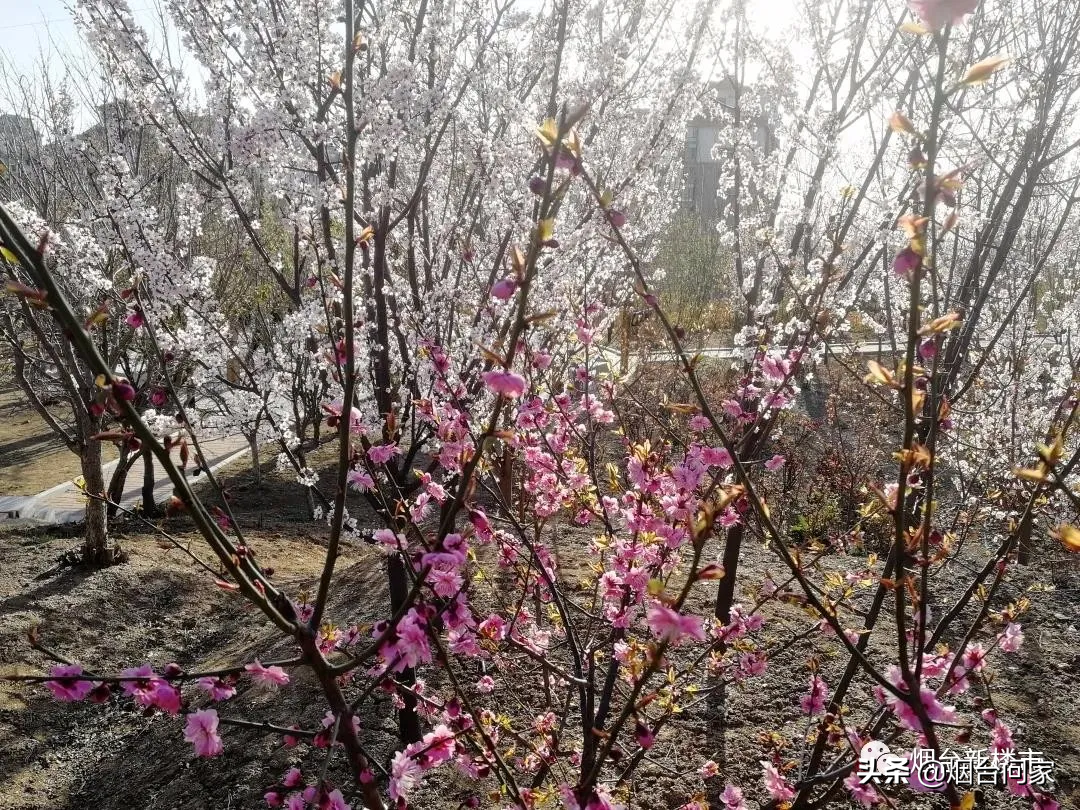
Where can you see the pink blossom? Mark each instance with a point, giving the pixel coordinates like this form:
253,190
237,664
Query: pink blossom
753,622
541,360
567,161
709,769
382,453
1012,638
920,782
436,747
775,368
405,774
753,664
775,463
411,647
974,658
292,778
813,702
775,399
65,687
201,731
775,783
420,507
863,794
493,627
699,422
123,390
732,408
151,690
504,383
1001,737
360,480
934,666
670,625
336,801
217,688
486,685
959,682
905,263
135,319
390,541
504,289
730,517
435,490
272,799
935,711
268,678
937,13
480,522
732,797
445,583
717,457
644,736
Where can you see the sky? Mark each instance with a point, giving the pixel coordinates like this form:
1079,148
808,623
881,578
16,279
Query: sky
31,30
29,27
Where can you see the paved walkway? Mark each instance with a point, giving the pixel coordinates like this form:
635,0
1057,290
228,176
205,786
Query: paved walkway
64,503
612,358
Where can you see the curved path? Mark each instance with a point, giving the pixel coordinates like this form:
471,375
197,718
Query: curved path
64,503
611,354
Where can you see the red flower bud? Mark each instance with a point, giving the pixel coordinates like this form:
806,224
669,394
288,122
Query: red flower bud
123,390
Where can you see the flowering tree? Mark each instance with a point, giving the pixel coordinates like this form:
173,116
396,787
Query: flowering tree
565,556
70,187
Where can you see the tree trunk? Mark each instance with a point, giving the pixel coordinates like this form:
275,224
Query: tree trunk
149,504
256,468
725,590
506,478
1026,541
309,496
96,550
408,720
119,478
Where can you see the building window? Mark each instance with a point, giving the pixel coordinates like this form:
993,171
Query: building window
691,143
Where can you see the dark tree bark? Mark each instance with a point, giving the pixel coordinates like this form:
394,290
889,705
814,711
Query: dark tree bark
149,505
96,550
118,480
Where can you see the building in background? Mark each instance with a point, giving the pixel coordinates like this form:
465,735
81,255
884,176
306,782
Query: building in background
703,167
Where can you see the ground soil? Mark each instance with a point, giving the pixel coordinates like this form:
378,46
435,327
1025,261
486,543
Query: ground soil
32,457
159,608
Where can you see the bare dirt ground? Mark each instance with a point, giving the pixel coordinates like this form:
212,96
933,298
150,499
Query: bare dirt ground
159,608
